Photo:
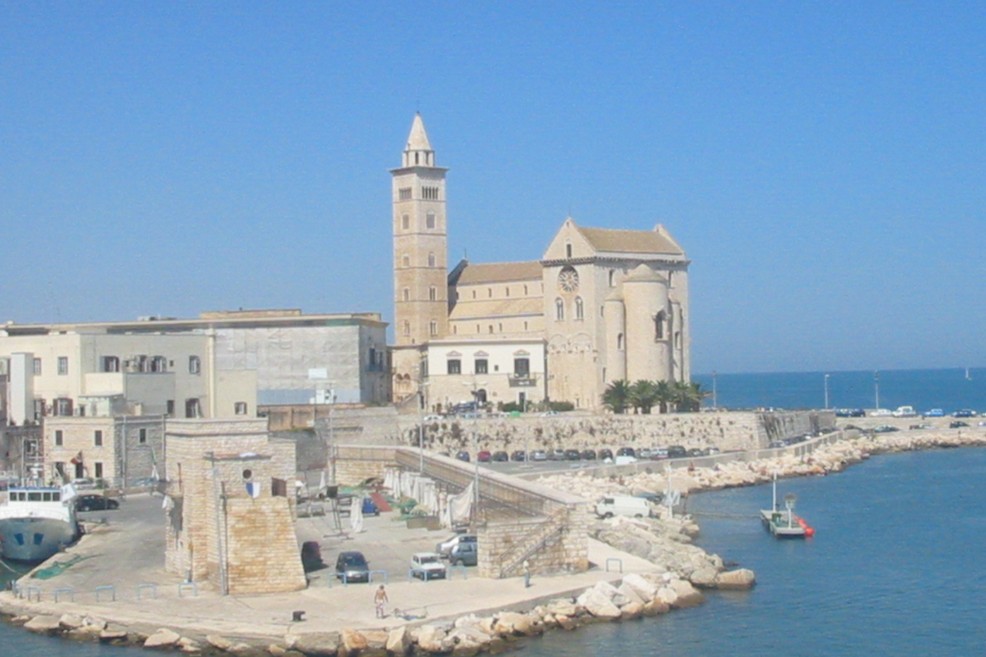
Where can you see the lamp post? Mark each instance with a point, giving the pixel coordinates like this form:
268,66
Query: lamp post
826,392
715,400
876,390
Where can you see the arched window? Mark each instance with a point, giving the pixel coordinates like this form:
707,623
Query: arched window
525,290
568,250
406,329
579,310
406,294
659,326
434,328
430,220
432,293
194,365
405,260
559,309
431,259
612,278
619,341
405,222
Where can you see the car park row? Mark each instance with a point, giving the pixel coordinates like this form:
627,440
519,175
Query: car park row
604,454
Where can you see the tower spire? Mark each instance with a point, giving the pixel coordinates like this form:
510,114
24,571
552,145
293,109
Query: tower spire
418,152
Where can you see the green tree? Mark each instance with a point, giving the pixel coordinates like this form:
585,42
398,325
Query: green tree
617,396
643,395
665,396
688,396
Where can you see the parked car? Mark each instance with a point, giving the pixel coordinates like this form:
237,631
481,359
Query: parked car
351,566
588,455
556,455
500,456
427,565
626,451
462,456
464,554
644,453
696,451
677,452
935,412
623,505
572,455
484,456
957,424
886,428
443,548
964,412
94,502
776,444
605,453
518,455
311,556
539,455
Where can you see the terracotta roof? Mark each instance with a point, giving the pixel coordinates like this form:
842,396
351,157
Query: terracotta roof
490,308
629,241
499,272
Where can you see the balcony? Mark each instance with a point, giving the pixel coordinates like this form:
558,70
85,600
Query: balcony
522,380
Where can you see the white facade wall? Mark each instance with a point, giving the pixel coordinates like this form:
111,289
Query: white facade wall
498,384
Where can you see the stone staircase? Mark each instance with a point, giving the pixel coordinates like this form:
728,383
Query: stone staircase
549,532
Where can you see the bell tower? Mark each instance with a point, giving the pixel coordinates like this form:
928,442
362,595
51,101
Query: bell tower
420,243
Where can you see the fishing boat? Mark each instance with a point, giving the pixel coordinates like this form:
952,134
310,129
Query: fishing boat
784,523
36,522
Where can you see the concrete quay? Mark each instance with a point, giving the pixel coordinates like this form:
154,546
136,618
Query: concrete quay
117,575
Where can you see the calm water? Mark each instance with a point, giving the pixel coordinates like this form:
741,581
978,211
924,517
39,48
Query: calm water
896,568
948,389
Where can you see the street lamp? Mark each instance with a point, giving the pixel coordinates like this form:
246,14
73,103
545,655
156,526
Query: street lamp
876,389
715,400
826,392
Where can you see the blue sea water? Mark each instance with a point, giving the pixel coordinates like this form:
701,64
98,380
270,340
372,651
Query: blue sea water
896,568
948,389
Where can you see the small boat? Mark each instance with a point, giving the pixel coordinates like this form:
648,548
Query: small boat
37,522
784,523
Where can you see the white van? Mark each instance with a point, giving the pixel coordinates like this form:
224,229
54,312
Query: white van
623,505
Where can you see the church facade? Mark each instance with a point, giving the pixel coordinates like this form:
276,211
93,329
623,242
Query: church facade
600,305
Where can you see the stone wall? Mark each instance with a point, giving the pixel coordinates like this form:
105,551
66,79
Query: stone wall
726,430
263,551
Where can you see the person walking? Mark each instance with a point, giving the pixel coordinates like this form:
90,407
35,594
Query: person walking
379,600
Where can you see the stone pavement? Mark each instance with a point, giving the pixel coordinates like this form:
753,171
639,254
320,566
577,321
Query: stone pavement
124,557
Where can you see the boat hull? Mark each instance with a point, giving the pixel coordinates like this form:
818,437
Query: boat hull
35,539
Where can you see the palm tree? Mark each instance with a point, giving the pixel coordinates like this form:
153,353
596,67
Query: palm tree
617,396
643,395
688,396
665,396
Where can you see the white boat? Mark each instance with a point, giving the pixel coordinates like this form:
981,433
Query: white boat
37,522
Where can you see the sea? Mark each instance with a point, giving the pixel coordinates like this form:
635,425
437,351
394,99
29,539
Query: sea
895,567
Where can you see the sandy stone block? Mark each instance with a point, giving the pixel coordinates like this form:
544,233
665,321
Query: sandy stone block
43,624
398,641
316,644
163,638
739,579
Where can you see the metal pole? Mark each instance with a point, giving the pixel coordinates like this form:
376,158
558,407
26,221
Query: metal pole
421,434
715,400
475,442
826,392
876,389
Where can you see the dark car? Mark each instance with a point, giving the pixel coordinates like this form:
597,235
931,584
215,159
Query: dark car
311,556
518,455
351,566
957,424
626,451
464,554
677,452
964,412
605,453
556,455
696,451
588,455
500,457
93,502
572,455
462,456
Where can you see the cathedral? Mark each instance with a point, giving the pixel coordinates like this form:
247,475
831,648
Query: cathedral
601,305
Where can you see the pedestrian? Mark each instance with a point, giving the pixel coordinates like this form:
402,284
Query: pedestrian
527,574
379,600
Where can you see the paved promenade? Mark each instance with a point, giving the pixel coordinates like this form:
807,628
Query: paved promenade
126,552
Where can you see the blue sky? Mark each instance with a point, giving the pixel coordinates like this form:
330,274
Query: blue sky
823,164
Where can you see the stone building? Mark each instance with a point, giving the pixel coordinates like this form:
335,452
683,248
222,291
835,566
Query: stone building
231,507
600,305
119,450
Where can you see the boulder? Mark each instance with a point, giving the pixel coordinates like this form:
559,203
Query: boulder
70,621
631,610
19,619
276,650
163,638
687,595
562,606
511,622
629,594
704,577
113,635
219,642
353,642
189,646
92,625
43,624
598,605
376,642
566,622
316,644
246,650
398,641
468,640
645,589
739,579
655,607
431,638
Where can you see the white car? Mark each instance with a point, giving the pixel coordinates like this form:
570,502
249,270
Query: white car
427,565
